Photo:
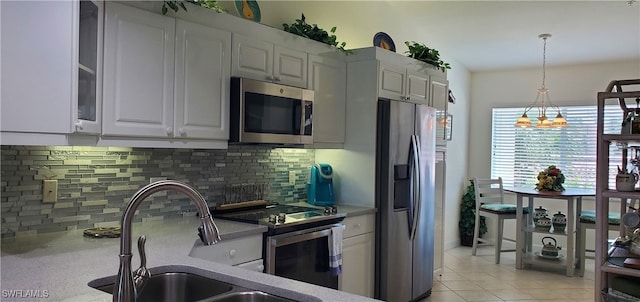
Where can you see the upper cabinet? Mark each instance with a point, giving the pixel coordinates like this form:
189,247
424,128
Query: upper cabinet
51,84
265,61
328,79
89,68
374,73
164,78
402,84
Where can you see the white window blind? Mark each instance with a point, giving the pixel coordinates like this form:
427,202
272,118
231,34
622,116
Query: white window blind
518,154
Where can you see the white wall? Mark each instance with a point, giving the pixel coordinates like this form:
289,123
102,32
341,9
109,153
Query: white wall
457,154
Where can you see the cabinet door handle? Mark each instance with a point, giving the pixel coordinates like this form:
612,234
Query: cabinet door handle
276,78
79,125
260,268
182,132
232,253
408,98
270,77
169,131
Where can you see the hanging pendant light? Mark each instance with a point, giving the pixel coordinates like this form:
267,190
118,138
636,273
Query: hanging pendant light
542,102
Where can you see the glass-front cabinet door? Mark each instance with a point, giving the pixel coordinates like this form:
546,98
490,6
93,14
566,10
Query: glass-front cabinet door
89,70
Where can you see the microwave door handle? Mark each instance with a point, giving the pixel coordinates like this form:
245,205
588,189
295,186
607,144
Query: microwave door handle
299,112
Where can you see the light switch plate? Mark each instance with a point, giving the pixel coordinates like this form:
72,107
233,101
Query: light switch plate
49,191
292,177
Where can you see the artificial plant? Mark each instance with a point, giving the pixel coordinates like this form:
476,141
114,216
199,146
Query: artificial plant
425,54
313,32
176,5
467,221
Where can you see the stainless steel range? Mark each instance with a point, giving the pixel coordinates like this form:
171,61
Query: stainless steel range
282,218
296,243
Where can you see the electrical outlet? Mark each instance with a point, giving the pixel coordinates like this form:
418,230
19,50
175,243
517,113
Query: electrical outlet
292,177
49,191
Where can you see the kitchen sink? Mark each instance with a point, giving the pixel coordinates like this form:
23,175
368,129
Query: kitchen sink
248,296
189,284
173,287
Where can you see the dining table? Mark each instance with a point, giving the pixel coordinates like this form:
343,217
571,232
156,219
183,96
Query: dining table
525,227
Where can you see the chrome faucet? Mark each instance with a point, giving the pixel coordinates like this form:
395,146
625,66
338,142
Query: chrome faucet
127,286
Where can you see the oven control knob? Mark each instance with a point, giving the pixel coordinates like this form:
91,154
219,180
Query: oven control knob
327,211
281,217
272,218
334,210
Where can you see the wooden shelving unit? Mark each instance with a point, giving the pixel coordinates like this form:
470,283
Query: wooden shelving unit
604,270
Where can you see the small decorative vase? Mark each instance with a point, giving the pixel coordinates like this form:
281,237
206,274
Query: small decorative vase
538,213
626,182
559,222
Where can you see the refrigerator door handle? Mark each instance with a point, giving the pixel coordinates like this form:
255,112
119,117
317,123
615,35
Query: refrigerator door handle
416,185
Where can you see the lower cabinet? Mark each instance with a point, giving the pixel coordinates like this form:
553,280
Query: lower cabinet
256,265
358,255
238,251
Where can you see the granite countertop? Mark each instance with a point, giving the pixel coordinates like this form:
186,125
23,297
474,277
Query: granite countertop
58,266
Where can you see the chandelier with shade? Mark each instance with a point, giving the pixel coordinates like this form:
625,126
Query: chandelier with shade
542,102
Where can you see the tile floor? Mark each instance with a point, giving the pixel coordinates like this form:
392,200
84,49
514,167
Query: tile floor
478,278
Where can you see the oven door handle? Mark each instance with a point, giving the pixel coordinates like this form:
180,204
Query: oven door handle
286,239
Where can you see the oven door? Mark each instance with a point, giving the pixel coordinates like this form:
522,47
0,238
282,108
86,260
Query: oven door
302,255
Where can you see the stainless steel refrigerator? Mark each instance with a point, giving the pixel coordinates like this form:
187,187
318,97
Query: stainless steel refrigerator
405,196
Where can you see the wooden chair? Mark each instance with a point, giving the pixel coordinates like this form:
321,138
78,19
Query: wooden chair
490,204
586,221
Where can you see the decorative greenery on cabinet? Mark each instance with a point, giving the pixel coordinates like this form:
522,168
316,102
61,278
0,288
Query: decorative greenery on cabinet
176,5
313,32
425,54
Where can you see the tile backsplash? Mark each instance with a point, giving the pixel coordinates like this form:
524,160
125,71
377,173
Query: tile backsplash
96,183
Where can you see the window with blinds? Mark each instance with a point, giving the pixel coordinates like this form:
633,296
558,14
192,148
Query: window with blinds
518,154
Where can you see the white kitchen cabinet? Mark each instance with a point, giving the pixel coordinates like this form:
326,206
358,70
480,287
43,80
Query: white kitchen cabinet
358,255
256,265
328,80
265,61
51,70
164,78
235,251
403,84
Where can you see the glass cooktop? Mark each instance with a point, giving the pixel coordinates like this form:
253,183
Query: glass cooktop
280,215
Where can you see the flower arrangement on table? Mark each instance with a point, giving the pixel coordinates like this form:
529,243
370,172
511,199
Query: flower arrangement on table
550,179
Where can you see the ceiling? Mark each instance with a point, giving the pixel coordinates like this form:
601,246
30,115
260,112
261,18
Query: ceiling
480,35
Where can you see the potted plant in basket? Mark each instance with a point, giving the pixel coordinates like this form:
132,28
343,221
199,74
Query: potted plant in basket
467,221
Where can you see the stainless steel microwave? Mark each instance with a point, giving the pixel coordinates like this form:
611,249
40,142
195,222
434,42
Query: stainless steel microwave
263,112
